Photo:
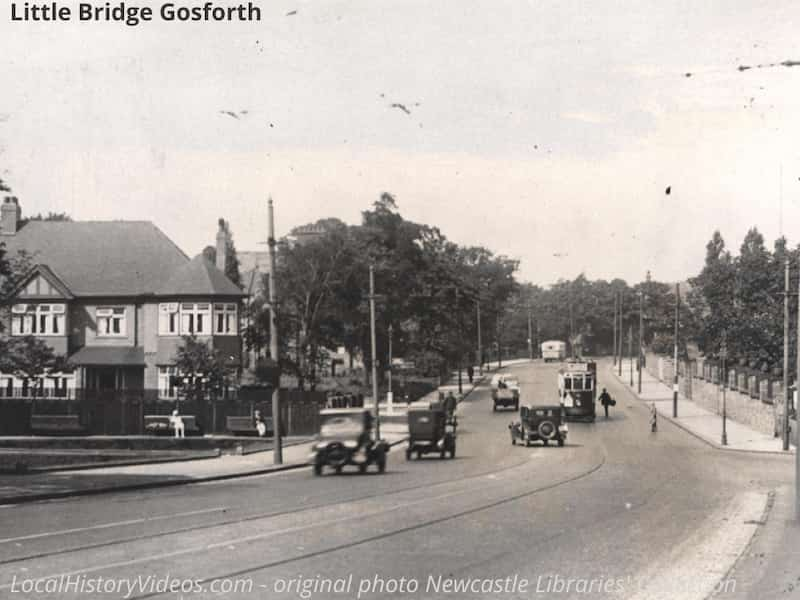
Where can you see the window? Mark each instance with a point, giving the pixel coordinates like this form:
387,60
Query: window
168,319
225,319
37,319
166,391
111,321
195,318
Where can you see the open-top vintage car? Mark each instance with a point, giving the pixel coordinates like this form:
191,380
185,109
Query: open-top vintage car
431,430
346,438
506,393
545,423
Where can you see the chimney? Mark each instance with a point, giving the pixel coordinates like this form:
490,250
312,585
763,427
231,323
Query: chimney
10,215
222,245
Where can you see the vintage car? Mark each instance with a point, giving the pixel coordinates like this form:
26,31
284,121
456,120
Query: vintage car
346,438
506,393
545,423
431,430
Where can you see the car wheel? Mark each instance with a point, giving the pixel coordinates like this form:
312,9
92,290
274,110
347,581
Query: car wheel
317,468
453,450
408,453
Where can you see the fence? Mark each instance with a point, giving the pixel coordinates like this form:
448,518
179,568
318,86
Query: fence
123,413
753,397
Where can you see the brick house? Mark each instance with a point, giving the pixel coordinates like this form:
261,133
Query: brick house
115,297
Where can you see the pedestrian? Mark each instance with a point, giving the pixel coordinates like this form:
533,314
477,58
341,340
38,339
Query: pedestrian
260,423
177,423
606,401
450,404
470,373
653,418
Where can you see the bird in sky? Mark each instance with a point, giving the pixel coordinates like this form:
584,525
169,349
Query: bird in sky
668,191
291,12
401,107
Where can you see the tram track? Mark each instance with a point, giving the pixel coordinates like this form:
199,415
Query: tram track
219,523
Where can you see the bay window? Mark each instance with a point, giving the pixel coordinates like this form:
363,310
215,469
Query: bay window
38,319
196,318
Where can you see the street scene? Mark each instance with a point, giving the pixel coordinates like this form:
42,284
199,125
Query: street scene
350,300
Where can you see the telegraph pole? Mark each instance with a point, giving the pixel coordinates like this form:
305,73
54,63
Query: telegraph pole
374,357
480,347
389,396
641,326
277,453
630,350
724,355
675,365
786,390
374,353
619,337
797,434
615,330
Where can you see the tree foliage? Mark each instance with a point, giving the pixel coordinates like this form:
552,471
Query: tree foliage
206,368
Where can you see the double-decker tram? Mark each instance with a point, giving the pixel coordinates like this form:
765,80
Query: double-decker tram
577,389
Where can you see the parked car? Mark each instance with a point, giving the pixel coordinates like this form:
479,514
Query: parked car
346,438
543,423
431,430
506,393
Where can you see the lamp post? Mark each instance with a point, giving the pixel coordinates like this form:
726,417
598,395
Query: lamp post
723,353
786,390
619,337
480,347
530,335
630,351
615,331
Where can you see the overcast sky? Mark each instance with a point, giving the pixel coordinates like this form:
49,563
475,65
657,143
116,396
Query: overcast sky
547,131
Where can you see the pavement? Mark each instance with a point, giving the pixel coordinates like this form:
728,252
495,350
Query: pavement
695,419
616,503
69,482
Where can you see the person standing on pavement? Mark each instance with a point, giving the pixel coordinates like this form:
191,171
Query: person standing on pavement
470,373
606,401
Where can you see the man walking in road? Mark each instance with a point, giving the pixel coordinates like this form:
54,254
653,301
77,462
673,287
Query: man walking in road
606,401
470,373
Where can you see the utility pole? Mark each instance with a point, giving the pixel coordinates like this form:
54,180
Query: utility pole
615,329
724,355
786,390
797,418
374,356
630,350
641,347
530,335
277,453
538,340
675,365
619,337
480,347
389,396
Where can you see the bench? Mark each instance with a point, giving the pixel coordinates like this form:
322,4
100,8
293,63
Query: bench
246,425
160,425
56,424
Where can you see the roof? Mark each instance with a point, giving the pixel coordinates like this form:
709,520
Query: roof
101,258
109,356
198,277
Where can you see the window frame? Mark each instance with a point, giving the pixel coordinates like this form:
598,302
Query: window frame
108,314
42,319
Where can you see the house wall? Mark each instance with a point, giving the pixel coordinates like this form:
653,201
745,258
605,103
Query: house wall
84,325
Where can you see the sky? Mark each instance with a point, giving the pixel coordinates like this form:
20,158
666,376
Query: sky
545,131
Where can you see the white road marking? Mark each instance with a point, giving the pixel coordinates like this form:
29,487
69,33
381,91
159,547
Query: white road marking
34,536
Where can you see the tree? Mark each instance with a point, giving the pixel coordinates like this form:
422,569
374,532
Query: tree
203,368
29,358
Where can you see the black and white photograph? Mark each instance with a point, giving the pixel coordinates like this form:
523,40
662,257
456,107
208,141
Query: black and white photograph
399,300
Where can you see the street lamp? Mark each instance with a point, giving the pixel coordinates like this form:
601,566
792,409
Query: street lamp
389,395
641,334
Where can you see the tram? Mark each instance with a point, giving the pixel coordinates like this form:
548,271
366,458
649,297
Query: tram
577,389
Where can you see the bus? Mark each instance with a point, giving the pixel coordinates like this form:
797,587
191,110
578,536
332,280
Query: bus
554,350
577,389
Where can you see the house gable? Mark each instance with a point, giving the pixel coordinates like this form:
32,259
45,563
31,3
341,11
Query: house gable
41,284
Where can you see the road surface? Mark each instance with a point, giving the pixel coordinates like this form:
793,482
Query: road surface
618,512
